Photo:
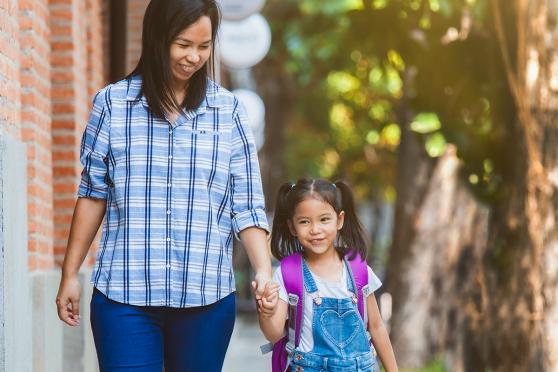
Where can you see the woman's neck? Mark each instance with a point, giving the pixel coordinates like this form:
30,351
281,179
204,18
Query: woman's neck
179,93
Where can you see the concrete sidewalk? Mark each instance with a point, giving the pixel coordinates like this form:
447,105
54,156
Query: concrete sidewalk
244,350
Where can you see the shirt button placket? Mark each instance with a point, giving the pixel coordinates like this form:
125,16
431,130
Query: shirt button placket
168,265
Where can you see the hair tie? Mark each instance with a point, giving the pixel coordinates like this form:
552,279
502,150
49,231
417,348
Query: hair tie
291,188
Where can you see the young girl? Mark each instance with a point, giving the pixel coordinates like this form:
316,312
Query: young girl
318,219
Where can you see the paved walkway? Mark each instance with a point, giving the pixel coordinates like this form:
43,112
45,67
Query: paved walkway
244,350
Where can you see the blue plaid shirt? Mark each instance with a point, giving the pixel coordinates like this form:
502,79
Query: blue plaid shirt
175,194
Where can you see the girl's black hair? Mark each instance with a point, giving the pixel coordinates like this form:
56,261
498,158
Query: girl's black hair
351,237
162,22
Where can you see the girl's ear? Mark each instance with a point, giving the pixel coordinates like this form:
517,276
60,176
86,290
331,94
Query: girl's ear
340,220
291,227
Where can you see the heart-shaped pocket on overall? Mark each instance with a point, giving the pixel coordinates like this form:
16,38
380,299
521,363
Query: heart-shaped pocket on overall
340,329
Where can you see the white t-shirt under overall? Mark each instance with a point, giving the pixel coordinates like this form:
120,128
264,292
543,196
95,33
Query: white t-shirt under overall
326,288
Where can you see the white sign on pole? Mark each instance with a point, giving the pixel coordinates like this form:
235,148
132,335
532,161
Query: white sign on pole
245,43
255,110
234,10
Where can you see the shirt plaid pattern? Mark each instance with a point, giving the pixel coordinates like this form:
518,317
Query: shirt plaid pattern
175,195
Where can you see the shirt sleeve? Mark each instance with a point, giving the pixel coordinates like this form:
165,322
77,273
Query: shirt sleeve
374,282
248,203
278,278
94,150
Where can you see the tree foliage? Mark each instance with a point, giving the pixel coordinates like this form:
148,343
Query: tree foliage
356,63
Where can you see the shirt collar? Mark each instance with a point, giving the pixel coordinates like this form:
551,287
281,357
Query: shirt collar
134,90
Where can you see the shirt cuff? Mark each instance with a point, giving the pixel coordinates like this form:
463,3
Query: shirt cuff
86,190
249,218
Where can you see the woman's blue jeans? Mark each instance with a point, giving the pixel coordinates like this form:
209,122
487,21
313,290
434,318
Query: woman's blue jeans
144,339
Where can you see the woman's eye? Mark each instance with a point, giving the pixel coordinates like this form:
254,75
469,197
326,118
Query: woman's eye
204,47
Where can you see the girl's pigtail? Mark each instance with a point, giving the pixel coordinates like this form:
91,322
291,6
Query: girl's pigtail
283,243
352,234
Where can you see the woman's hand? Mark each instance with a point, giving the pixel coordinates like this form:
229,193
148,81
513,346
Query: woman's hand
88,215
67,300
261,280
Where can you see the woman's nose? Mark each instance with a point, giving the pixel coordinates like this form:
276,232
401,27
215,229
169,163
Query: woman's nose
193,57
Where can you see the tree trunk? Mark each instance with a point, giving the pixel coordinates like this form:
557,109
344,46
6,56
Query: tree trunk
437,243
515,324
275,90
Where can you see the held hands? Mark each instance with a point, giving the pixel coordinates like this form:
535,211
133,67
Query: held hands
267,304
67,301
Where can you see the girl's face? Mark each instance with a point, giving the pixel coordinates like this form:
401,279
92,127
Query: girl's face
190,50
315,223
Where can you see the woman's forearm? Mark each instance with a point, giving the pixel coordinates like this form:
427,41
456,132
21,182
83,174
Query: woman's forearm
88,215
254,240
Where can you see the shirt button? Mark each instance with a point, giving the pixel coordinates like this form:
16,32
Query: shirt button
170,131
169,184
168,266
170,156
168,212
168,239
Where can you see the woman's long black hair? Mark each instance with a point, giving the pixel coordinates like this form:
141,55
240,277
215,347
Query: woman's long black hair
351,237
162,22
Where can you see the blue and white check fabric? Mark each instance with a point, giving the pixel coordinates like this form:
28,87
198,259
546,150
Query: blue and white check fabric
175,195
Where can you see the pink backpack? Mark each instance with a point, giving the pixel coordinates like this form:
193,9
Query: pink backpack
291,269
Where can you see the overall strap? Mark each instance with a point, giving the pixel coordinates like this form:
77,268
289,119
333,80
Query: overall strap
291,270
359,272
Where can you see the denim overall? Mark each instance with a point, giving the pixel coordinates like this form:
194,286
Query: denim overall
341,343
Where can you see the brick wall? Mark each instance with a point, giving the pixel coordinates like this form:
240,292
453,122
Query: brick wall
136,9
36,126
77,71
52,60
9,68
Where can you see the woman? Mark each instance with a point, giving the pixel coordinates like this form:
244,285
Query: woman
171,166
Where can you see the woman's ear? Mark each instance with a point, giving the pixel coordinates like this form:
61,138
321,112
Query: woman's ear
340,220
291,227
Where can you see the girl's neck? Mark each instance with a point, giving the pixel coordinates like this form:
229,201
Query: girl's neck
328,265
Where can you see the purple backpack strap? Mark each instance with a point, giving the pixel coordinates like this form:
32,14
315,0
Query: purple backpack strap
291,270
360,274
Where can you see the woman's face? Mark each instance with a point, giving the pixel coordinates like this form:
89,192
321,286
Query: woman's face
190,50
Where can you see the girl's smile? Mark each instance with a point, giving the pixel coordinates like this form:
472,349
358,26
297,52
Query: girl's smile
315,223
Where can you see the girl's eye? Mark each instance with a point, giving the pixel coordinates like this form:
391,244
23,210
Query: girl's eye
204,47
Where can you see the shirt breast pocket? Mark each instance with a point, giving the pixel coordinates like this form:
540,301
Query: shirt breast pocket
206,147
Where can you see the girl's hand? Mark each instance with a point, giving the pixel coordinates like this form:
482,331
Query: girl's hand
67,301
267,305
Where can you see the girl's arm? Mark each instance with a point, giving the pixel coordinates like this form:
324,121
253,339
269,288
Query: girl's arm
273,326
88,215
380,337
